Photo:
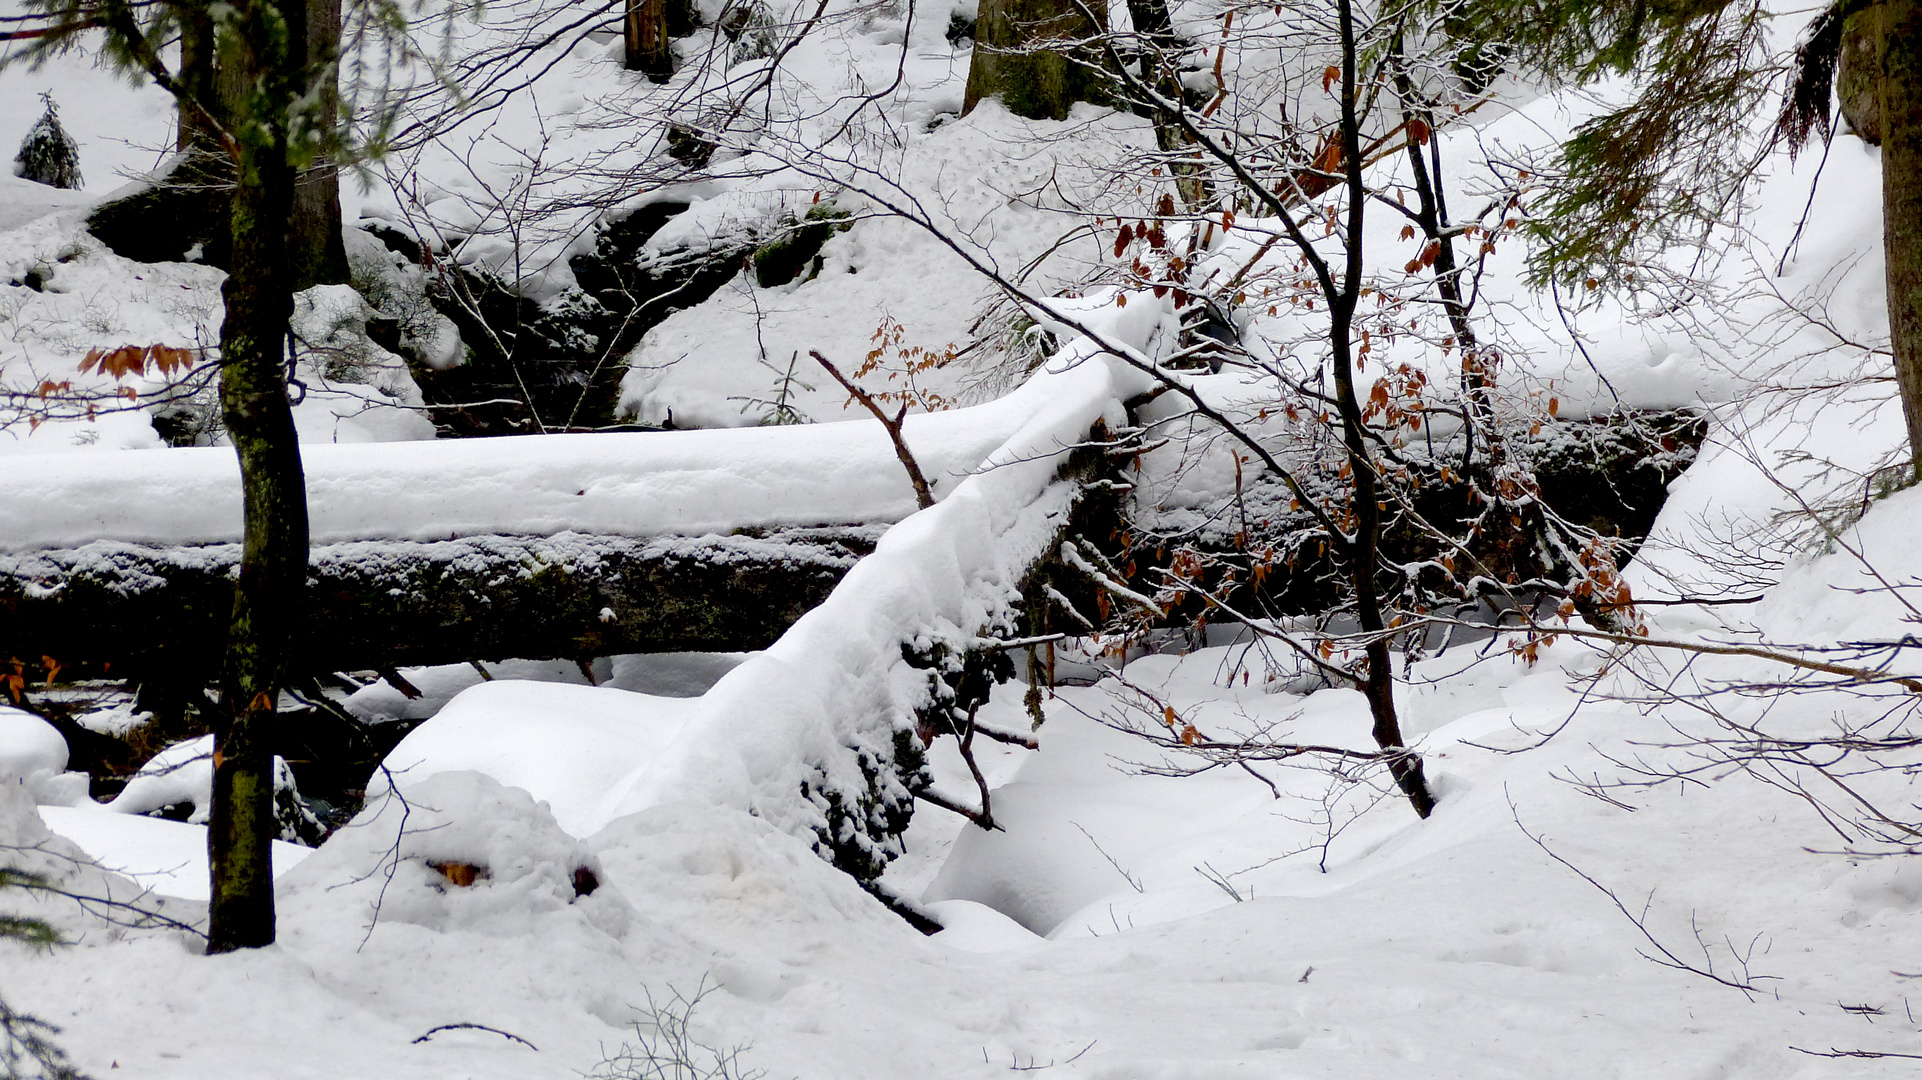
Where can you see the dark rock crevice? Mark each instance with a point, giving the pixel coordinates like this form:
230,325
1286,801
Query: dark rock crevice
558,367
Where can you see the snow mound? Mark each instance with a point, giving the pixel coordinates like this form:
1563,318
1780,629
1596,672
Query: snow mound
458,850
565,745
119,905
740,889
34,755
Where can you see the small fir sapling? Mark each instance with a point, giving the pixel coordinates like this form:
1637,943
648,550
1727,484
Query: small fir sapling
27,1050
48,155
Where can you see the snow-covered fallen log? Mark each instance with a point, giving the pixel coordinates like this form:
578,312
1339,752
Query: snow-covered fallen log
437,552
686,483
817,734
141,610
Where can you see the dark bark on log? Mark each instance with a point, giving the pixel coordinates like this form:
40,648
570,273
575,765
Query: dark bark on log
161,612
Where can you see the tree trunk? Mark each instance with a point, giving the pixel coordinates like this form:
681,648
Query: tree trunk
196,78
253,397
319,248
649,49
1856,75
1378,684
1900,100
1160,59
1020,56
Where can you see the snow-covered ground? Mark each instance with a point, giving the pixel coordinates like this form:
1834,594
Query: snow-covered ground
1123,924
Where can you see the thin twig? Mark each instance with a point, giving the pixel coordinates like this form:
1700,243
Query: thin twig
922,495
476,1027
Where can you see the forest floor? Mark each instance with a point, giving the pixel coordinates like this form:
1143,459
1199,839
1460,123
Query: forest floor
1545,921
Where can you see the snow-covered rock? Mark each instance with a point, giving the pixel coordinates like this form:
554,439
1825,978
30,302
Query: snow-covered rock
33,757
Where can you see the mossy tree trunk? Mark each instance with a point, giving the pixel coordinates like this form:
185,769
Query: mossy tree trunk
1024,54
267,83
1899,101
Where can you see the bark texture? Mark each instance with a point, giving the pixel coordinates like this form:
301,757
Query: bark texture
649,48
1023,55
1856,74
1899,97
319,248
266,82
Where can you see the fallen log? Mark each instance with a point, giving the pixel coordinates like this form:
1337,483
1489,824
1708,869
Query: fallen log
140,611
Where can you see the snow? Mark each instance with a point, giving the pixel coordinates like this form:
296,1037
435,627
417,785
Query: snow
181,774
33,755
684,482
167,857
29,745
1121,924
765,728
586,741
1456,944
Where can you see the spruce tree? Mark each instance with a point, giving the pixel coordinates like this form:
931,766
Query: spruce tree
48,155
1664,169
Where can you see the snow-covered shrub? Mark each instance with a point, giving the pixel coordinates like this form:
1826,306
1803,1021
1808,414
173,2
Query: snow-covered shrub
48,155
350,387
1016,347
395,287
752,29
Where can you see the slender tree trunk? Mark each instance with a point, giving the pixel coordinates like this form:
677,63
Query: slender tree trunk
649,49
253,396
1379,685
319,249
1900,100
1161,53
1431,214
